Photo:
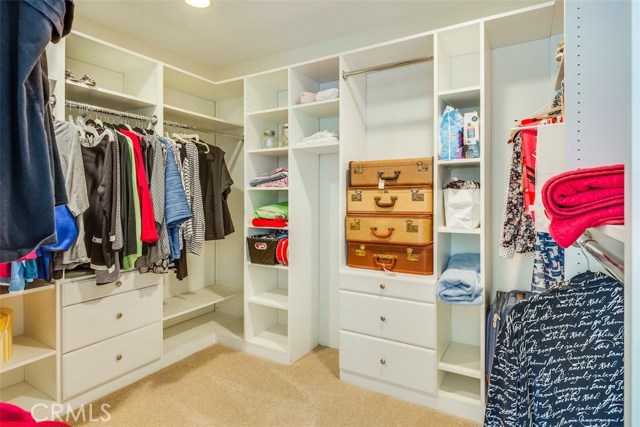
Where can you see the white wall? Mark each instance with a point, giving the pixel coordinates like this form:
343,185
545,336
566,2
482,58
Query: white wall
522,83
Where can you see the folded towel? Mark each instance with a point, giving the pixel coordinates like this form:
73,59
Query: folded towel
276,222
321,137
273,175
583,198
276,210
327,94
460,282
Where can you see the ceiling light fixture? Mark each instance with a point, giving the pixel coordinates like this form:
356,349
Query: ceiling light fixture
200,4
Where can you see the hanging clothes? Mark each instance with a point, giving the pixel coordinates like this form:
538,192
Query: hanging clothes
548,264
215,182
30,169
559,358
518,230
128,193
129,260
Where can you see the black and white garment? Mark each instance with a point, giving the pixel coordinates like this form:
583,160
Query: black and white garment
559,359
518,230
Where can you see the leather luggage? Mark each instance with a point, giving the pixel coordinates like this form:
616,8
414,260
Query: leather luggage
391,200
396,258
390,229
399,172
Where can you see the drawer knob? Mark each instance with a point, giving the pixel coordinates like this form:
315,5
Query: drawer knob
119,357
119,316
383,362
383,319
118,284
382,286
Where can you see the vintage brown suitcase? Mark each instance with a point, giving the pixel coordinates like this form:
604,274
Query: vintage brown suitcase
390,229
391,200
397,258
400,172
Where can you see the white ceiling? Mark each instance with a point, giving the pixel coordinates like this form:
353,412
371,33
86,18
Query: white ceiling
233,32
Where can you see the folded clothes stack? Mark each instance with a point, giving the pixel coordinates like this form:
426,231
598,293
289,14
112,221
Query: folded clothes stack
579,199
270,223
322,137
307,97
276,178
460,282
274,211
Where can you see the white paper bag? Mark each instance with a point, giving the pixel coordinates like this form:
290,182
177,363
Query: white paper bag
462,208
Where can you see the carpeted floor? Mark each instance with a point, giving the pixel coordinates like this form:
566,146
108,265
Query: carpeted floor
223,387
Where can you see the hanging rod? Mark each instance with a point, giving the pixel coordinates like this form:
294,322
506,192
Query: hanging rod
185,126
87,107
347,74
610,262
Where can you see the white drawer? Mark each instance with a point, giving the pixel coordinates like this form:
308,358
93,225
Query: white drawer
417,288
100,363
87,290
409,322
92,321
402,364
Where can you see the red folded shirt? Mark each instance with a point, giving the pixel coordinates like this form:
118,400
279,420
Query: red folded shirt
275,223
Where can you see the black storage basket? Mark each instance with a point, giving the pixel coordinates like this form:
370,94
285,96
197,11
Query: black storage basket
262,249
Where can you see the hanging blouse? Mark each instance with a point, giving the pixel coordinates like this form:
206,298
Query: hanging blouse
215,182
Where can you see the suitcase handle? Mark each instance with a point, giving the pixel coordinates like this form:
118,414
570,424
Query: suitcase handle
390,204
374,231
396,175
382,265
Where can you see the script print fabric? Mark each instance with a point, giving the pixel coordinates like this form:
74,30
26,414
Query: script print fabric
559,358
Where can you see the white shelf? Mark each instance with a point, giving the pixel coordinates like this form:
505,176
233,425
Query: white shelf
462,388
616,232
275,115
267,228
25,396
274,267
442,229
320,109
276,298
275,338
106,98
26,350
35,286
267,188
462,359
466,97
196,300
201,122
271,152
319,148
459,163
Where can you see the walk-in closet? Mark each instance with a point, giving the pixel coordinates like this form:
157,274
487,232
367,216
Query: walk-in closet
217,213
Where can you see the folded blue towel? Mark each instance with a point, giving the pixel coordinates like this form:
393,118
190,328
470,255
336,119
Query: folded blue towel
460,282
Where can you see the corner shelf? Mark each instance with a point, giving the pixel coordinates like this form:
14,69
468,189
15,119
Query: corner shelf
320,109
195,300
318,148
202,122
36,286
443,229
276,298
461,359
26,350
271,152
275,115
275,338
106,98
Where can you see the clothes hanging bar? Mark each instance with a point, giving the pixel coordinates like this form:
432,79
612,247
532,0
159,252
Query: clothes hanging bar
71,104
610,262
185,126
347,74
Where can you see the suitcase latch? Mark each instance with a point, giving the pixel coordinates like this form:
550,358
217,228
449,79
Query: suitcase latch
410,227
416,197
411,256
354,225
357,197
361,251
422,167
359,169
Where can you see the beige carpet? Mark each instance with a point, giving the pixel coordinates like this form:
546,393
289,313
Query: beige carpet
223,387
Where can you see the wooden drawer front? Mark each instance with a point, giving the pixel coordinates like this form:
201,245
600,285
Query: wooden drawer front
392,229
390,287
87,290
100,363
399,172
398,320
391,200
402,364
93,321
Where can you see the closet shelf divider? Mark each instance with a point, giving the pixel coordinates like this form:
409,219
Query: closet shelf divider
201,122
26,350
272,152
275,298
275,338
35,286
320,109
461,359
443,229
104,97
276,115
195,300
318,148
